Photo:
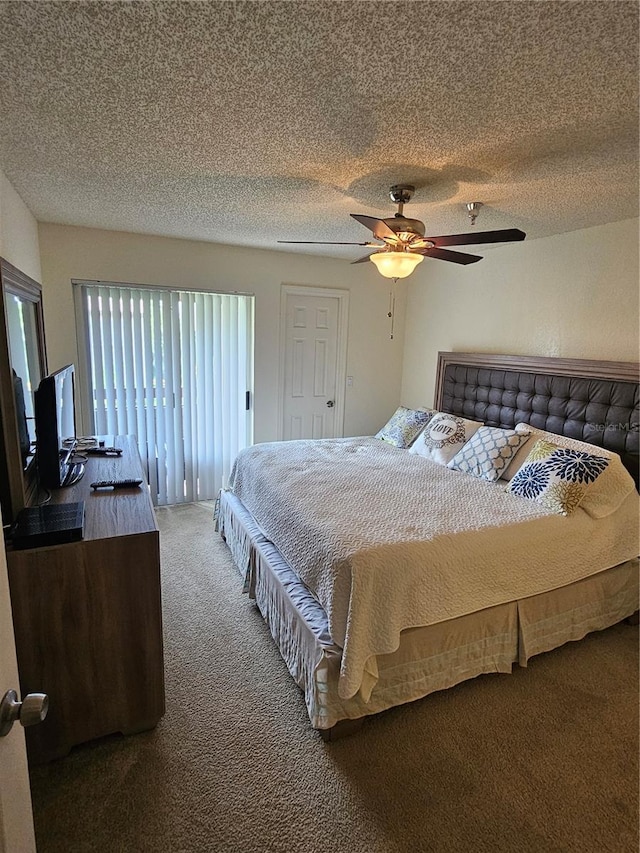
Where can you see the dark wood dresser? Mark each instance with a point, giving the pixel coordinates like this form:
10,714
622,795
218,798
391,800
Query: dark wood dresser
87,615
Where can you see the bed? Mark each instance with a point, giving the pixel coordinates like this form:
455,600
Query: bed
385,572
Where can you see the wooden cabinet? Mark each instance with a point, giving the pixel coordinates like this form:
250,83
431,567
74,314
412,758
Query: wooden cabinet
87,615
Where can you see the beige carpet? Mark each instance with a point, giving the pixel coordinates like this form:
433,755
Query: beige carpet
543,760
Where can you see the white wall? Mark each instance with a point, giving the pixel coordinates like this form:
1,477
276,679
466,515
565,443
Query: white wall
373,359
573,296
18,231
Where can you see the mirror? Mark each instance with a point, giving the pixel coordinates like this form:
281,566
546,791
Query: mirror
22,366
25,365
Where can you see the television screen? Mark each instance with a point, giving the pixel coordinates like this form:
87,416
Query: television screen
65,410
56,430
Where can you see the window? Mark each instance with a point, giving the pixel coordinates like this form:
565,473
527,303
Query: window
175,369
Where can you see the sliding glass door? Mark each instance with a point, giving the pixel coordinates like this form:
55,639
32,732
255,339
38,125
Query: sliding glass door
175,369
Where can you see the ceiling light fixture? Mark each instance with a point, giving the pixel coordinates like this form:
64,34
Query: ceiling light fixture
396,264
473,208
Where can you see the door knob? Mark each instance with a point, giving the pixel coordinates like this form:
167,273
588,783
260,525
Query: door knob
330,404
33,709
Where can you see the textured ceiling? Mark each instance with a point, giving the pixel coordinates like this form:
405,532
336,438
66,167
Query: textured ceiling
247,122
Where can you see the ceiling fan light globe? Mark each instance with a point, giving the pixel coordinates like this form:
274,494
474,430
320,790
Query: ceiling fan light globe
396,264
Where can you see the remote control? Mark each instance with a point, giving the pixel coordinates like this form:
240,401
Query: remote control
103,451
115,484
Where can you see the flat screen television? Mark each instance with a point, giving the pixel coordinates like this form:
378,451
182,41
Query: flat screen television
54,409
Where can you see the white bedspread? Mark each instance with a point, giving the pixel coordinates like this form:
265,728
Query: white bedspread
388,540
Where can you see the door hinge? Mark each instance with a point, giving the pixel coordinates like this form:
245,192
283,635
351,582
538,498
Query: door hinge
247,401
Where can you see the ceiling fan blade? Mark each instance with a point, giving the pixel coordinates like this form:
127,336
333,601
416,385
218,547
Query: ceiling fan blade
325,243
446,255
379,227
362,259
506,235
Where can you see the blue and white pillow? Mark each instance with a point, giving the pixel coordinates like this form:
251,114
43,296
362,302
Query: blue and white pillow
404,425
557,477
488,452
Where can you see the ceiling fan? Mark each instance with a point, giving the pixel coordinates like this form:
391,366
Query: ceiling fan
402,244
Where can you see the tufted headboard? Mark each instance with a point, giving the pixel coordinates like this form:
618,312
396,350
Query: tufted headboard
594,401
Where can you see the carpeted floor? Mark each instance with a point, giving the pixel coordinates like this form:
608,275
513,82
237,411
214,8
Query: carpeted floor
543,760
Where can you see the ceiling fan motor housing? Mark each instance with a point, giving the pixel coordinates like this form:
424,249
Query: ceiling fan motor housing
402,225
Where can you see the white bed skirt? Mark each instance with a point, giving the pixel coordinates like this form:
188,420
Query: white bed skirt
428,659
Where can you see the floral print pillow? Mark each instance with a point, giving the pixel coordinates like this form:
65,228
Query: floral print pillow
404,425
557,477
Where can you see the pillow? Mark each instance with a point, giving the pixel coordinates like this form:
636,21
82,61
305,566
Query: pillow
488,452
554,438
613,486
443,437
557,477
404,425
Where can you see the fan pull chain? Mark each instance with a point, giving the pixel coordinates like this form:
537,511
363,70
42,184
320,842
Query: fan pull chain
392,305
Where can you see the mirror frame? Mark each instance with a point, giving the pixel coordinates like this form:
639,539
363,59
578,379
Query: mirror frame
18,485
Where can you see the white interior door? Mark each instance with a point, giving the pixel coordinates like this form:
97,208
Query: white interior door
16,821
314,362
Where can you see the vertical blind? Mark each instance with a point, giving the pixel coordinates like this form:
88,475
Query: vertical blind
175,369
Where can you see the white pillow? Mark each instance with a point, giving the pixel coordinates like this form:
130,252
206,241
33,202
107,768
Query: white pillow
443,437
605,495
